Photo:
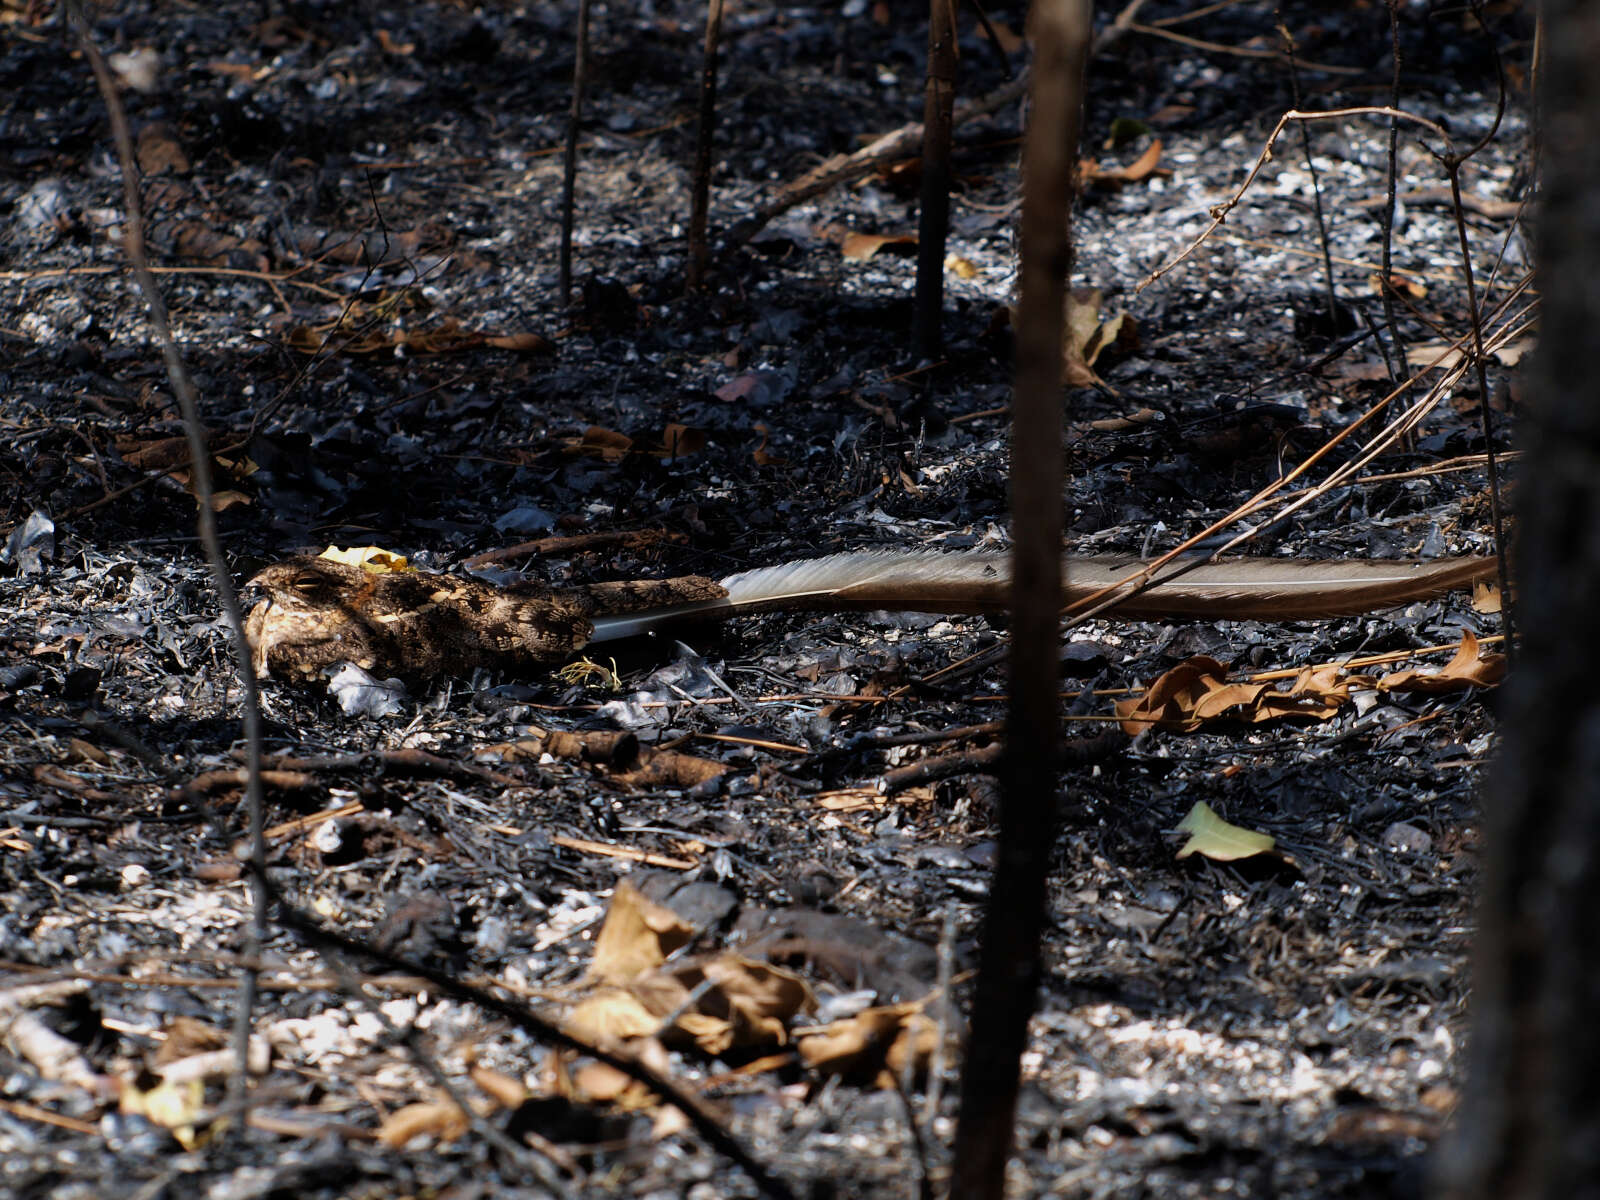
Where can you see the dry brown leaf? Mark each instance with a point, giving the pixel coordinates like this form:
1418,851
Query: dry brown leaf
505,1091
610,1016
158,151
448,337
737,1002
850,799
1091,172
679,440
1145,165
374,559
1219,698
862,246
1118,330
442,1119
1400,285
1471,667
1137,419
522,343
389,46
598,1083
605,444
1085,336
761,999
761,455
223,501
874,1044
1197,690
1170,114
594,1082
1171,699
637,936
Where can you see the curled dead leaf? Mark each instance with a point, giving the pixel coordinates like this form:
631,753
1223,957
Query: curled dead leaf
1471,667
522,343
1086,337
505,1091
1197,690
637,936
761,455
1146,165
610,1016
861,246
442,1119
876,1044
680,440
1137,419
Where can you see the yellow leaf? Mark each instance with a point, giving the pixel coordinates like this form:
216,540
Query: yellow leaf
372,558
174,1106
1210,835
961,268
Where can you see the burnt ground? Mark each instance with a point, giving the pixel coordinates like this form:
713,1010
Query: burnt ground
328,180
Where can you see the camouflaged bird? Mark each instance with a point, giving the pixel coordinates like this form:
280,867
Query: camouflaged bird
315,613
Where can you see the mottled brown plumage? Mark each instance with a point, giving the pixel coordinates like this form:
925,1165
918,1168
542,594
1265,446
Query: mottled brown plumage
315,613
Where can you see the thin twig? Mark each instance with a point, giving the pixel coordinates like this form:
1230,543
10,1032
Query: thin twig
700,204
188,403
1220,212
1316,179
1391,179
1239,51
1453,164
934,218
569,153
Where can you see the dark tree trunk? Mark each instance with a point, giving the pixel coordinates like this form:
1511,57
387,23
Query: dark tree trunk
1530,1122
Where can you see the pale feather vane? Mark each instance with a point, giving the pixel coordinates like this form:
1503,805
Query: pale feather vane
1274,589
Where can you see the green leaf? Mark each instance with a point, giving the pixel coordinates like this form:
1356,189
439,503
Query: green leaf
1210,835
